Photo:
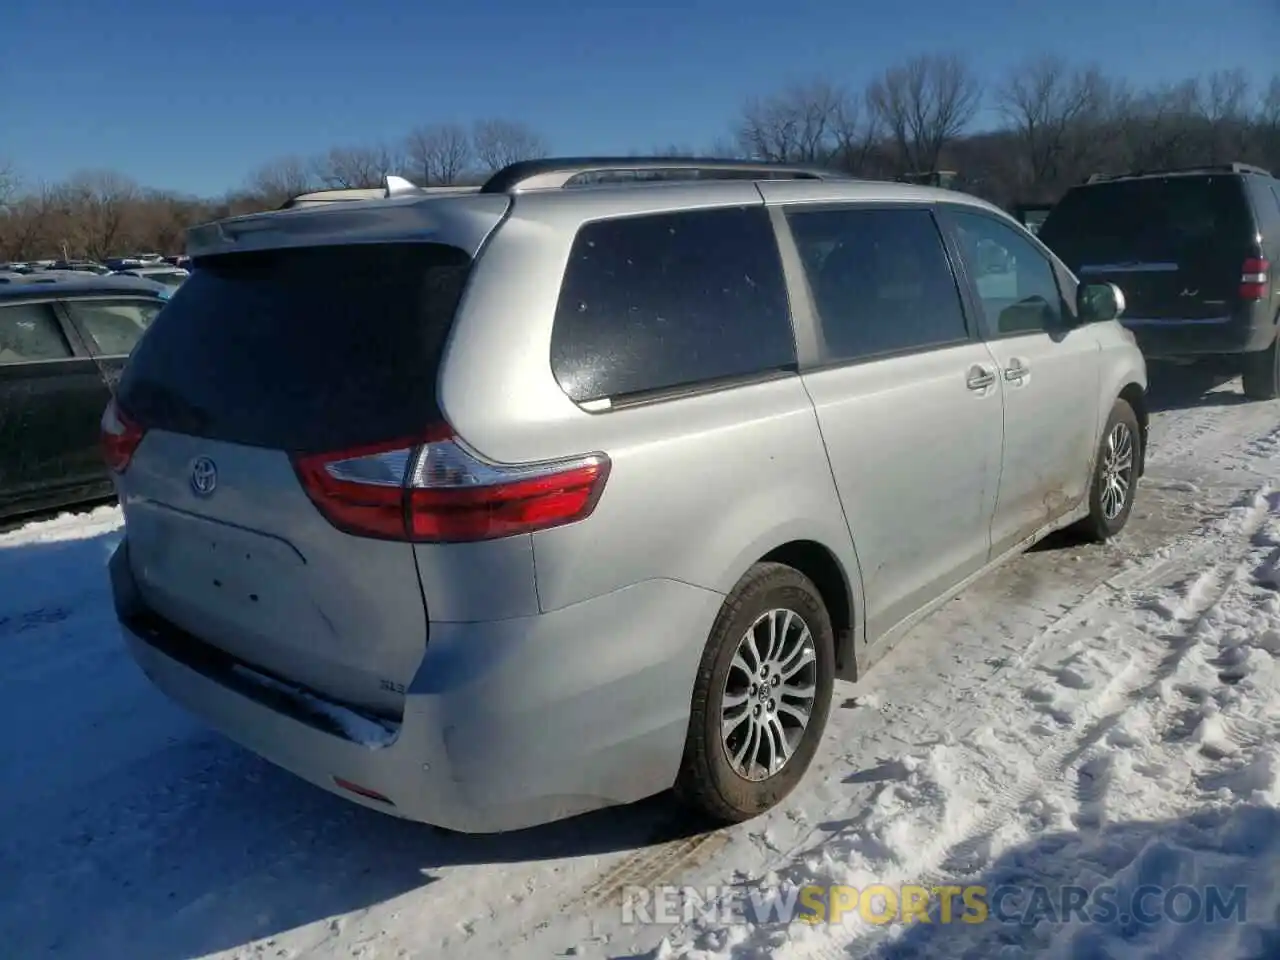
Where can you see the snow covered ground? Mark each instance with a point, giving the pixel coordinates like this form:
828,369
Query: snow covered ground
1100,718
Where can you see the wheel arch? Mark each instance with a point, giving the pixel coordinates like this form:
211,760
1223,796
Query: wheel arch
820,564
1133,394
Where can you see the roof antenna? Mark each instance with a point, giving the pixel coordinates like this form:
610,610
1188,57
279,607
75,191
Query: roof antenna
399,186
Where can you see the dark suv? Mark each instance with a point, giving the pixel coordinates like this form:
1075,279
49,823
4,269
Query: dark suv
1195,252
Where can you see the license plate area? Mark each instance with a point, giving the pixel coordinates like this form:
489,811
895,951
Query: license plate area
202,560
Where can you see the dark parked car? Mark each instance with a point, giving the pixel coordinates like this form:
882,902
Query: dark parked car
62,347
1197,254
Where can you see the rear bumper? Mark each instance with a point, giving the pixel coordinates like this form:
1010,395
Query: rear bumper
508,724
1246,330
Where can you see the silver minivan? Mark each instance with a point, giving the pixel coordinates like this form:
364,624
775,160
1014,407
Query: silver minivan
490,508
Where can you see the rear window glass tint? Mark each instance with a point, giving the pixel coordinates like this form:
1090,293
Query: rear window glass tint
304,350
1156,219
665,301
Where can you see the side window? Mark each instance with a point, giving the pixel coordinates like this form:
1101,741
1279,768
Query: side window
669,300
1015,282
880,281
113,326
30,331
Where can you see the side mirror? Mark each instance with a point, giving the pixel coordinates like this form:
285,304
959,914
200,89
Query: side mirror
1099,302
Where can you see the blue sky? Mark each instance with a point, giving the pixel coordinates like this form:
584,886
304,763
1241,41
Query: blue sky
192,96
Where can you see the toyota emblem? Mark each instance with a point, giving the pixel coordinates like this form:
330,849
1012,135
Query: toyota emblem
204,476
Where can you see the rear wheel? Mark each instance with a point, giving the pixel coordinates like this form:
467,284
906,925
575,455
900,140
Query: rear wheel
1262,373
1115,475
761,698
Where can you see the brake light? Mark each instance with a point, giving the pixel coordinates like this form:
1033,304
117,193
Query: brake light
433,489
1255,278
119,437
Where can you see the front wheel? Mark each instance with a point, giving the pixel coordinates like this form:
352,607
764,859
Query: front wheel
1262,373
1115,475
761,697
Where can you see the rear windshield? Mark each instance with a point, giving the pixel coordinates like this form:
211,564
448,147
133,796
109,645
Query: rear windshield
1155,219
304,350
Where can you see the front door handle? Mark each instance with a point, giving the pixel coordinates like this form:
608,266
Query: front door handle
980,378
1016,371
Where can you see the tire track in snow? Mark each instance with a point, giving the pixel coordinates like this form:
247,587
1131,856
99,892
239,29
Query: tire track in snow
1074,749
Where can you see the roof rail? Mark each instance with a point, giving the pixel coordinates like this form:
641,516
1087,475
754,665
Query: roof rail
558,172
1247,168
392,186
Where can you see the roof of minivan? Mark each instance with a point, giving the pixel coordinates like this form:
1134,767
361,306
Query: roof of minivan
33,288
467,218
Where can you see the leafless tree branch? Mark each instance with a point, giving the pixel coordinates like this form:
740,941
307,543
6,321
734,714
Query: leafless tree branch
438,153
497,143
924,105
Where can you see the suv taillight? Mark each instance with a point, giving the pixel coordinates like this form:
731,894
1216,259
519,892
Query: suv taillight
119,437
1255,278
433,489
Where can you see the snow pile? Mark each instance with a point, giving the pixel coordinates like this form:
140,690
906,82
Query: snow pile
1137,765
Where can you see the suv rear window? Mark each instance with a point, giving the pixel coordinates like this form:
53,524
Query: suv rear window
672,300
303,350
1152,220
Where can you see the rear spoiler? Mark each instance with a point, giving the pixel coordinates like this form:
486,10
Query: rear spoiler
392,186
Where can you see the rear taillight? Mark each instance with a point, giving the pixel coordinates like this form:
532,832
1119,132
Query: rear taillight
433,489
1255,279
119,437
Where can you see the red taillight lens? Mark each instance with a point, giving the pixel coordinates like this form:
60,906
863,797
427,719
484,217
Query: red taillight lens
1255,278
435,490
119,437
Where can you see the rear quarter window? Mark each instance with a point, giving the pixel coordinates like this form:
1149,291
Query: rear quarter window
660,302
113,327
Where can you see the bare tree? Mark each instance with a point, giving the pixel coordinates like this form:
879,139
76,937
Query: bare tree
1047,103
101,201
794,126
497,143
1224,95
1268,125
1269,107
1223,103
438,153
281,179
162,219
816,123
8,184
925,104
355,167
1157,126
30,222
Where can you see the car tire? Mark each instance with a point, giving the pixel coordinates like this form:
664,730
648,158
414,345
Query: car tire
1115,475
764,696
1261,373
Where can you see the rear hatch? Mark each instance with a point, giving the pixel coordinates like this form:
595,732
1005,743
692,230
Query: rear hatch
259,359
1175,245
